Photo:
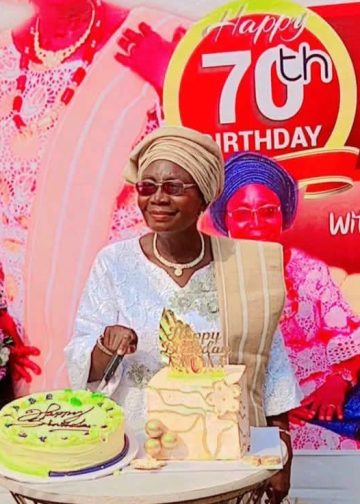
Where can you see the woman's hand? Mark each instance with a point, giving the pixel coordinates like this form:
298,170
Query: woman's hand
279,486
119,339
147,53
326,402
21,364
280,483
19,353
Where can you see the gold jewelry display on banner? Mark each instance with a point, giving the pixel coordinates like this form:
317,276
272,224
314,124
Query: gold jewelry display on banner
179,267
52,59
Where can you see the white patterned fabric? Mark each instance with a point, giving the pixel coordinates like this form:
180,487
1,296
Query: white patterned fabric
20,165
322,338
125,288
19,171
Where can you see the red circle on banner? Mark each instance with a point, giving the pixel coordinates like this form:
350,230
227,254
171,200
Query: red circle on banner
297,116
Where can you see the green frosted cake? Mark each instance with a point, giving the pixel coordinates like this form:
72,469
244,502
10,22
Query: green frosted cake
52,433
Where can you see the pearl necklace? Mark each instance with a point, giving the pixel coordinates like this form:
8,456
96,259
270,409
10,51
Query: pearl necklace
178,268
52,59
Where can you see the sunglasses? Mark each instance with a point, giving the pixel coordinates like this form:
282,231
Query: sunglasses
265,212
172,188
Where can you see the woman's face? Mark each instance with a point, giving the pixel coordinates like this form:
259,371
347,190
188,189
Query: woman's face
165,212
254,213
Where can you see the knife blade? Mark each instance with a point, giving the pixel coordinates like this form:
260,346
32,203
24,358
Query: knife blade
110,371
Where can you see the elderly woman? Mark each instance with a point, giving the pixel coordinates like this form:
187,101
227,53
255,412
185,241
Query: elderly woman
321,333
220,287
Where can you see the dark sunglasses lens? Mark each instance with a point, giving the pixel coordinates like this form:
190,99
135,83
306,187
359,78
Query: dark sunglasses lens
146,188
173,188
268,212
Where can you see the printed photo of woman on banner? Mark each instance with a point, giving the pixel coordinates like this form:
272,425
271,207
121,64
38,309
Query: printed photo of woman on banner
283,83
61,141
259,202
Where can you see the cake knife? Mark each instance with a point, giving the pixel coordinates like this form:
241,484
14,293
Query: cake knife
110,371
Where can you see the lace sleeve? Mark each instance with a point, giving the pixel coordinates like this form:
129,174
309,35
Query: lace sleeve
3,302
338,325
97,309
348,370
281,391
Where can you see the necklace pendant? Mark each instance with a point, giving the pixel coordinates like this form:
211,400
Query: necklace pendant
52,59
178,272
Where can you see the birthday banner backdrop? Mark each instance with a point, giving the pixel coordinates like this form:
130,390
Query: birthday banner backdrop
272,77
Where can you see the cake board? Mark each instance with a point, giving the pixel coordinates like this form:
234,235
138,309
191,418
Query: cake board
124,459
265,442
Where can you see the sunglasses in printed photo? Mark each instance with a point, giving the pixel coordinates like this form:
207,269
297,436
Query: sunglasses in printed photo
265,212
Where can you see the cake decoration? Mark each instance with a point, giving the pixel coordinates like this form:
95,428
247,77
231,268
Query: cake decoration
152,447
253,460
147,464
200,406
154,428
159,438
224,398
180,347
270,460
262,460
169,440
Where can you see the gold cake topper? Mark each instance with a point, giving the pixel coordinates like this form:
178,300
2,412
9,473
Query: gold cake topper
181,348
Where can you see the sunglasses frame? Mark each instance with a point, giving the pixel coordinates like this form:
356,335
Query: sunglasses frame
255,211
162,186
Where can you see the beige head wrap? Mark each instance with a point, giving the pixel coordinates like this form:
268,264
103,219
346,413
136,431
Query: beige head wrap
195,152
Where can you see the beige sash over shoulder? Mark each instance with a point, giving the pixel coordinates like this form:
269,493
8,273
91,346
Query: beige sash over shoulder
249,277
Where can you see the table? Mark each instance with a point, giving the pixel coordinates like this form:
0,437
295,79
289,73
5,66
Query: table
202,487
188,483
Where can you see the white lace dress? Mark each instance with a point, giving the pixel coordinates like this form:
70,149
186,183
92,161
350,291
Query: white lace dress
125,288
